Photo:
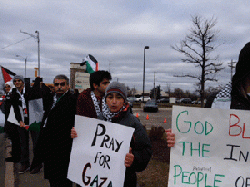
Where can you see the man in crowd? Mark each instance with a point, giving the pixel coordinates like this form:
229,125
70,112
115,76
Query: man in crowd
38,91
10,128
55,142
19,101
91,101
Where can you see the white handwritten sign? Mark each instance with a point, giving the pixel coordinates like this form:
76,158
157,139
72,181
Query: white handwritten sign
98,153
212,148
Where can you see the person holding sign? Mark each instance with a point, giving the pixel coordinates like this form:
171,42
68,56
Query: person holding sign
239,98
117,111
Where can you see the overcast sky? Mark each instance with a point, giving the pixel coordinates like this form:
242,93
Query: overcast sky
115,32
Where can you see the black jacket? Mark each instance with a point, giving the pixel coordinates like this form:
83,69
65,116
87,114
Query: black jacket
141,147
55,142
16,102
238,100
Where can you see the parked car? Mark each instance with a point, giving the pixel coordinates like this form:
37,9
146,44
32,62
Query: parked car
196,102
151,106
186,101
140,99
177,100
163,100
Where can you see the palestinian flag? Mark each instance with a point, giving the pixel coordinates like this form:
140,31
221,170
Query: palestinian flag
35,102
35,114
5,76
91,64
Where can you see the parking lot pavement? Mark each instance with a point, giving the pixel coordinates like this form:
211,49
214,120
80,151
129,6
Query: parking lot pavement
155,119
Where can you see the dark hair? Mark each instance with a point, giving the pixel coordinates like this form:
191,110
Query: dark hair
97,77
61,76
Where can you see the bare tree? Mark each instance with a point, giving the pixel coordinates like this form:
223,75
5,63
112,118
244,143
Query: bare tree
196,47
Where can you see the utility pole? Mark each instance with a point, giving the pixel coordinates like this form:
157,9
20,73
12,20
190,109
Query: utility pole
232,66
25,60
154,87
38,42
146,47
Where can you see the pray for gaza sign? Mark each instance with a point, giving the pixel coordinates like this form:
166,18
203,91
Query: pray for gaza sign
211,149
98,153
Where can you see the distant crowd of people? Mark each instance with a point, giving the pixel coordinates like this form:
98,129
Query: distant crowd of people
53,142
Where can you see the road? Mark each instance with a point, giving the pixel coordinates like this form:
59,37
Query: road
155,119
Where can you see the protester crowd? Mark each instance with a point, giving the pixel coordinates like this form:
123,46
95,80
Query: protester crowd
52,140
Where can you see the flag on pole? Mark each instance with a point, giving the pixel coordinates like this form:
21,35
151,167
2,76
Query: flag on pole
38,98
91,64
35,102
5,76
35,114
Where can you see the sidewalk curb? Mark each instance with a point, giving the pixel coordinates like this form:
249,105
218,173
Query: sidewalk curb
9,166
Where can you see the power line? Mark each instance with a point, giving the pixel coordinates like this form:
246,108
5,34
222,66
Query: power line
16,42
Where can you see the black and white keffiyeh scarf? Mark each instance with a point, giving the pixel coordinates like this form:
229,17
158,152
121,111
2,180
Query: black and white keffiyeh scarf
108,115
23,101
97,103
223,98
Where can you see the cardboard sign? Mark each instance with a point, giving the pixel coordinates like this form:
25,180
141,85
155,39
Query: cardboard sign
98,153
211,149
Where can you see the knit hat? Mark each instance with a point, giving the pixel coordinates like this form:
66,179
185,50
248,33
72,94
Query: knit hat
18,77
116,87
10,84
243,65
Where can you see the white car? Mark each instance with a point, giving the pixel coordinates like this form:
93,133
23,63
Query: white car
140,99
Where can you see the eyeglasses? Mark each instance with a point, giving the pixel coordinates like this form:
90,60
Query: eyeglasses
61,84
7,86
17,80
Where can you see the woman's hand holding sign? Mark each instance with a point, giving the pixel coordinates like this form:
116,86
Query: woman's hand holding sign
129,159
73,133
170,138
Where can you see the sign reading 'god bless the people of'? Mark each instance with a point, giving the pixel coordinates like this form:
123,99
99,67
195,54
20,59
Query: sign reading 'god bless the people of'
98,153
212,148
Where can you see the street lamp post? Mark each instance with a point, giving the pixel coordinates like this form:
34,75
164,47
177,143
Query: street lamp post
38,42
25,60
146,47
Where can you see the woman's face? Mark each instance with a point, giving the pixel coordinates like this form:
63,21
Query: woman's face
115,102
7,88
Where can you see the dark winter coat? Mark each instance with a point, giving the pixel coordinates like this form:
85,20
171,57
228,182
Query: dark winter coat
140,144
238,98
85,104
55,141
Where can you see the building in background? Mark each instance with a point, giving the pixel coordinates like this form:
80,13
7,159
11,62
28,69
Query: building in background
78,78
